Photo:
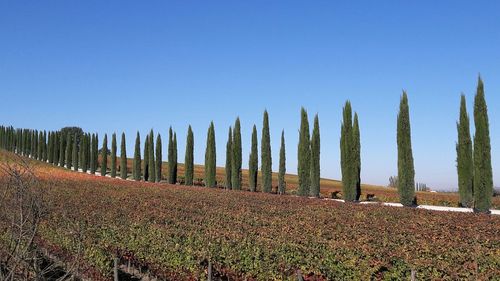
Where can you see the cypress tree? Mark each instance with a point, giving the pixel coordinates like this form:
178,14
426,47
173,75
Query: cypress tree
304,156
83,153
346,155
62,149
96,152
123,158
55,156
92,155
104,155
465,164
50,149
406,170
266,169
45,147
357,156
171,157
113,155
483,174
282,170
145,162
237,159
152,169
189,158
75,153
174,141
88,151
136,168
158,158
229,158
253,162
39,154
210,158
315,159
69,151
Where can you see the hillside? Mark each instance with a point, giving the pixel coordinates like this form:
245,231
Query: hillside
172,231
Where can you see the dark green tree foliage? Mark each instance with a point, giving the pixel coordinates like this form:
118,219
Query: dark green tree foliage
229,159
40,146
266,168
171,166
92,155
347,155
145,162
465,164
75,153
406,170
483,173
69,151
113,155
62,149
210,158
88,150
253,162
55,145
123,158
35,143
45,147
189,158
282,170
315,157
96,151
82,156
304,156
158,159
174,142
152,163
104,155
136,168
50,148
237,156
357,156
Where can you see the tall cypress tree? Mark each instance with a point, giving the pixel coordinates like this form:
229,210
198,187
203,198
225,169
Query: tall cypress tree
152,163
282,170
465,164
104,155
69,152
266,169
229,158
40,146
346,154
62,149
158,158
136,168
50,149
96,152
45,146
357,156
189,158
171,166
83,153
237,159
174,142
406,170
75,152
483,173
315,163
92,155
56,148
210,158
304,156
145,162
113,155
253,162
123,158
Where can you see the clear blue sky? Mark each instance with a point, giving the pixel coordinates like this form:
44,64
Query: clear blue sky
113,66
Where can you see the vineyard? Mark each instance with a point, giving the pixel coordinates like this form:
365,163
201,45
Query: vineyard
173,231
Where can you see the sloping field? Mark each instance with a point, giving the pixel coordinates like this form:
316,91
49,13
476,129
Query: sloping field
173,231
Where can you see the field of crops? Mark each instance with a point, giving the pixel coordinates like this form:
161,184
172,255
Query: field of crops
175,230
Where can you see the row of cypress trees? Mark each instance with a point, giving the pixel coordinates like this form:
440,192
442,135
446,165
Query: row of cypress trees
475,174
81,151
